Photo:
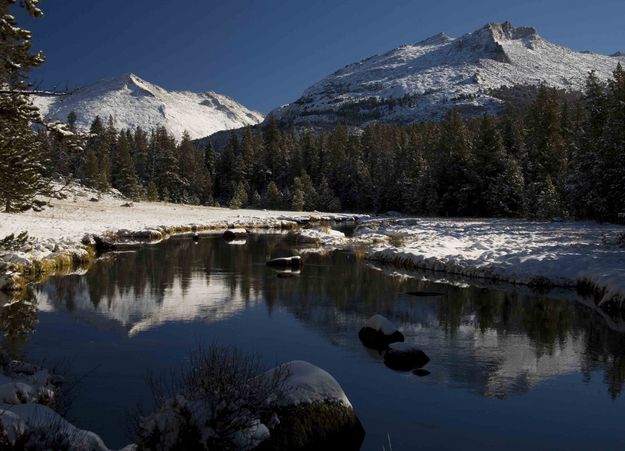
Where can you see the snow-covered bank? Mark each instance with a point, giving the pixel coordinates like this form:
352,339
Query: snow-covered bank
584,254
57,233
563,253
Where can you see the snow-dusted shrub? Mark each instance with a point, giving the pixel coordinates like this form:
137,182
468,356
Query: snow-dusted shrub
397,240
220,402
25,383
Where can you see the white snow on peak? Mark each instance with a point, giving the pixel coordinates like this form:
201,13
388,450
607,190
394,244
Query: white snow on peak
132,101
437,39
424,80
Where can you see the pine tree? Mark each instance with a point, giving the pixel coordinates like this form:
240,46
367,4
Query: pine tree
584,179
546,158
499,182
612,159
548,201
210,159
152,192
298,201
139,150
228,169
124,175
327,200
239,197
90,171
273,150
168,179
454,175
191,170
21,159
257,200
273,198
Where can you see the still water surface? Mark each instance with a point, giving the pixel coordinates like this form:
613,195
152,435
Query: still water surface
508,370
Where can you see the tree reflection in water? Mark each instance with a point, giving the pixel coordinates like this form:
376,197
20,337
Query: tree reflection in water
494,341
18,316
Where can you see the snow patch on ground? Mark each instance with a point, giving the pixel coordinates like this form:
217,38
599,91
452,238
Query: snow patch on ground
325,237
518,251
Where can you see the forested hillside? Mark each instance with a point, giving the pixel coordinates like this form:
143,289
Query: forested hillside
555,157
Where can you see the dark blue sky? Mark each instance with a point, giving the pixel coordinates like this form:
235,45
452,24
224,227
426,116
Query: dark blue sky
265,53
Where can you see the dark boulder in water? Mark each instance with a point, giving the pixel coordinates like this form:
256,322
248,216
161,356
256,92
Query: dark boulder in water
405,357
286,262
234,234
103,245
378,332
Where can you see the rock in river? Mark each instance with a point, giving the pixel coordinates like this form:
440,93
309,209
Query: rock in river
405,357
234,234
286,262
313,413
378,332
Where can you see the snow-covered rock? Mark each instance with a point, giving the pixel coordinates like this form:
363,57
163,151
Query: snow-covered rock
308,409
308,383
27,393
422,81
133,102
23,383
378,332
312,412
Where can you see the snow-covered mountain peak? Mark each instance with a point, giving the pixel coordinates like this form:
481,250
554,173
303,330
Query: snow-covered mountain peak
438,38
506,31
132,101
493,40
423,81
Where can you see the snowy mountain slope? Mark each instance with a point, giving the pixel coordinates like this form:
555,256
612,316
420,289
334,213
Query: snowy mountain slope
133,102
424,80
